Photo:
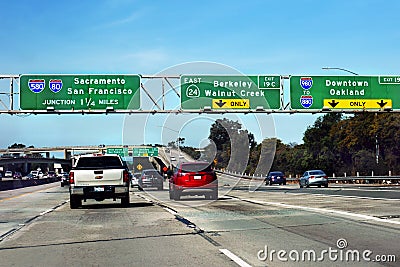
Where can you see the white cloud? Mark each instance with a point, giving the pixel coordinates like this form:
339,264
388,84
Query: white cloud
132,17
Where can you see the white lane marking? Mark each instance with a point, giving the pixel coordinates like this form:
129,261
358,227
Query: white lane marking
170,211
344,196
45,212
235,258
371,189
320,210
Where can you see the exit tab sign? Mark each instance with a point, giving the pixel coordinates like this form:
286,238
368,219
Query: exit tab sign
221,92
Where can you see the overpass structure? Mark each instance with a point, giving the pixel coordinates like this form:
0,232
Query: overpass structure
166,156
68,151
24,164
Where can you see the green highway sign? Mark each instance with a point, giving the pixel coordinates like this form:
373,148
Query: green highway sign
345,92
230,92
121,151
79,92
145,151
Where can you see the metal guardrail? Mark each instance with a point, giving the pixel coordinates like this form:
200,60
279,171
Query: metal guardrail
351,179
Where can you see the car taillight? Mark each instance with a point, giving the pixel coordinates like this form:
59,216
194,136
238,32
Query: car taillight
71,178
326,176
312,177
126,176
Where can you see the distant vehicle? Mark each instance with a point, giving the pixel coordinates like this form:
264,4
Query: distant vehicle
51,174
135,179
64,179
275,177
173,159
17,175
313,177
150,178
37,174
194,178
30,176
8,174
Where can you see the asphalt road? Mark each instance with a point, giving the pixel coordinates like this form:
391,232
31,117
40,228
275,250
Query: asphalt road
250,225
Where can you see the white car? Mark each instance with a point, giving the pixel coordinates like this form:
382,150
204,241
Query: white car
135,179
37,174
8,174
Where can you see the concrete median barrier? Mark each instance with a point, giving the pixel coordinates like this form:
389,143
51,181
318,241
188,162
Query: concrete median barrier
14,184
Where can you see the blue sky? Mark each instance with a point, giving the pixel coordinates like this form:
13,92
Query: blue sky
145,37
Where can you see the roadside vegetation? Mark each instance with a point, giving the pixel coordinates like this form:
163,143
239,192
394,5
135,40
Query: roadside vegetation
337,144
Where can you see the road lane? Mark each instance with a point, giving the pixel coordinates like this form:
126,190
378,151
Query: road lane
157,231
19,206
103,234
287,218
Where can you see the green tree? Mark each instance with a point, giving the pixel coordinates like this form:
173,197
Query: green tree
321,145
15,145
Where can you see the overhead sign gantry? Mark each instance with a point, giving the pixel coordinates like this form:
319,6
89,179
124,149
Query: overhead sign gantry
119,93
345,92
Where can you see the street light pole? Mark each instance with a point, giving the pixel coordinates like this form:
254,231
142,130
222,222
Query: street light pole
335,68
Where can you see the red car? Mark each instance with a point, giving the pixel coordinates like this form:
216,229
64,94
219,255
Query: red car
194,179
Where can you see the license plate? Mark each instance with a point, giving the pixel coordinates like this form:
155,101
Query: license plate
197,177
99,189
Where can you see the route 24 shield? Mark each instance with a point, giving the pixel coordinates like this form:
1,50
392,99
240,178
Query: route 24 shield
306,83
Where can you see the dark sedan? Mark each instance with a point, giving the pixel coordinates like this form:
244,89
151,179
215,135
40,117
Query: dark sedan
275,177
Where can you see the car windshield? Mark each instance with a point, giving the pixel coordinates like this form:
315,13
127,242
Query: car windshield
317,173
276,174
196,167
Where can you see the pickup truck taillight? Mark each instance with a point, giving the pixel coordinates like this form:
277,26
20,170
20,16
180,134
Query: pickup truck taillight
71,178
126,176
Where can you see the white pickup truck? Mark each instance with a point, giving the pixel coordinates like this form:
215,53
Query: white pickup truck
99,177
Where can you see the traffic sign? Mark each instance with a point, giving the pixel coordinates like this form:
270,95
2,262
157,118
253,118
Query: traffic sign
357,103
230,103
139,167
230,92
145,151
121,151
79,92
345,92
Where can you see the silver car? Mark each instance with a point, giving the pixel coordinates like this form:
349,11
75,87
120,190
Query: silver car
313,177
150,178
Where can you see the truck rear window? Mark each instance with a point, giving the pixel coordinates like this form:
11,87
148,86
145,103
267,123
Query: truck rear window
103,162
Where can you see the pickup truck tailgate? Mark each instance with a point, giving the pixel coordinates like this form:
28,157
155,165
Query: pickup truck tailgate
98,177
